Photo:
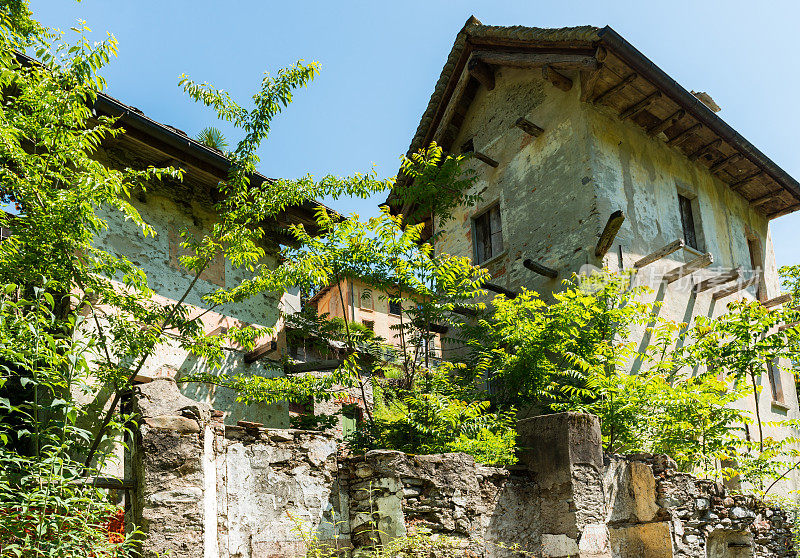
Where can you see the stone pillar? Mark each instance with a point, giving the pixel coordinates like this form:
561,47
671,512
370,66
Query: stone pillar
564,452
168,461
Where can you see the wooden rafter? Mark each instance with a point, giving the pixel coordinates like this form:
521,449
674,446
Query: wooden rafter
261,351
485,158
660,253
766,198
688,268
705,149
482,72
736,186
615,88
777,301
720,165
784,211
640,106
670,120
500,290
536,60
559,80
682,136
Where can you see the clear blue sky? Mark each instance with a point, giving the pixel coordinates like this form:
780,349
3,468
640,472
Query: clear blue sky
380,61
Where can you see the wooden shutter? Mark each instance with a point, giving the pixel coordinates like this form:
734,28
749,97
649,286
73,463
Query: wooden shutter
497,231
687,221
482,239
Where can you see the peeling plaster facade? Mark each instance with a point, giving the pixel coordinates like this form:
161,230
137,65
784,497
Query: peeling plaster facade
556,192
170,207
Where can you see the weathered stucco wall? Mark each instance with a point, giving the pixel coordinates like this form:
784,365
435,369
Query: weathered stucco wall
169,208
214,491
543,185
556,192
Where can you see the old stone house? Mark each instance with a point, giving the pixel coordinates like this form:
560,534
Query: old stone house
169,207
588,154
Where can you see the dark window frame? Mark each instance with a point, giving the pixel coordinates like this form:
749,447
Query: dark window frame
688,221
487,234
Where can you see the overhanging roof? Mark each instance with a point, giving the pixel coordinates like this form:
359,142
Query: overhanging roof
616,75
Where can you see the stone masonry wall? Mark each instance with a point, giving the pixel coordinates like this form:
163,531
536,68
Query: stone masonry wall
209,490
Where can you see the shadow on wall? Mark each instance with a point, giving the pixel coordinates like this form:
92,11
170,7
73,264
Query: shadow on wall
222,399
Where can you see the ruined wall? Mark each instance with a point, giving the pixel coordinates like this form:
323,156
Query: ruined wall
651,507
214,491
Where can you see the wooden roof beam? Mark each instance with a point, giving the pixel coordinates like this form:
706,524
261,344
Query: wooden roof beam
777,301
736,186
500,290
615,88
482,72
784,211
683,136
766,198
711,282
537,60
670,120
660,253
636,108
705,149
720,165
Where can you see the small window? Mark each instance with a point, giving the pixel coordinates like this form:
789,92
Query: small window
369,324
366,300
775,382
395,307
687,221
488,235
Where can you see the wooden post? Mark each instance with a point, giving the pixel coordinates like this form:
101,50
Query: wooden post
559,80
660,253
610,231
671,120
640,106
615,88
688,268
711,282
739,286
540,269
528,127
481,72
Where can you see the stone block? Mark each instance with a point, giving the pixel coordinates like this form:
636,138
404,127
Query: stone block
647,540
172,422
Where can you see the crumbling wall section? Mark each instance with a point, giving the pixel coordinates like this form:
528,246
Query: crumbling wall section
654,510
209,490
447,494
